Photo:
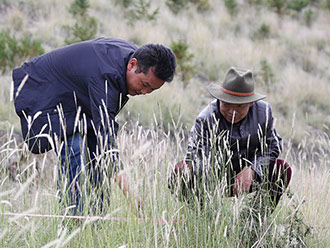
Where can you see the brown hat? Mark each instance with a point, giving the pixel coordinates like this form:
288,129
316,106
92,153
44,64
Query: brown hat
237,88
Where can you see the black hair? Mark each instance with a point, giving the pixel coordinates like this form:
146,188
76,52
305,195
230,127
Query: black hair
158,56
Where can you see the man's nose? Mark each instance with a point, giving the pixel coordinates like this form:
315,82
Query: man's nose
231,109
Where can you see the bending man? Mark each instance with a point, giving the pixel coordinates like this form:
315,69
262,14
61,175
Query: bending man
74,93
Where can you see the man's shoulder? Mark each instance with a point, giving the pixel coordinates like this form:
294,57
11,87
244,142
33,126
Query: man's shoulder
114,43
261,105
261,109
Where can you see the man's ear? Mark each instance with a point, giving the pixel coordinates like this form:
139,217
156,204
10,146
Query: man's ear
250,104
132,64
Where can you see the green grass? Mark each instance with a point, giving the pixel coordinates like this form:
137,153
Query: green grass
148,155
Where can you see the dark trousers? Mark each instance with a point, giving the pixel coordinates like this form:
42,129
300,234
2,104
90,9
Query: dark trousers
279,177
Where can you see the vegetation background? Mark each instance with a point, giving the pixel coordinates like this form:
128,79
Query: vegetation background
285,42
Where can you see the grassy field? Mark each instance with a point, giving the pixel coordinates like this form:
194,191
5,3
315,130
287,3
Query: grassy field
292,64
301,219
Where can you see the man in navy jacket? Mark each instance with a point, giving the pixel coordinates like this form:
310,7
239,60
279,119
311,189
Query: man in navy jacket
75,92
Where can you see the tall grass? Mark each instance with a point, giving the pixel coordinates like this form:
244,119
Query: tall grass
148,155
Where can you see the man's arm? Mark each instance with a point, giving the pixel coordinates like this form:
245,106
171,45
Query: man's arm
184,171
271,146
106,100
200,145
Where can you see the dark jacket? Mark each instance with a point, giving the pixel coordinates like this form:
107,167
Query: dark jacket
86,80
253,141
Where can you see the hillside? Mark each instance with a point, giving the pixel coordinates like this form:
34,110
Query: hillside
285,43
290,57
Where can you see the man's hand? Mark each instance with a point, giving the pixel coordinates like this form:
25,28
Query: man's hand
180,172
138,205
243,181
135,202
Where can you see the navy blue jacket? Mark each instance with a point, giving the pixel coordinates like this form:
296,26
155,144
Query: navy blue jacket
86,80
252,141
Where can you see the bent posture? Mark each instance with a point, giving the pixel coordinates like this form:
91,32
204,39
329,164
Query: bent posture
74,94
234,140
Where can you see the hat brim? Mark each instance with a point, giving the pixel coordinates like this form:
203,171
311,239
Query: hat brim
217,93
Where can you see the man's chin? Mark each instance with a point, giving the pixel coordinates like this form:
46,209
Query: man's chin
230,120
132,93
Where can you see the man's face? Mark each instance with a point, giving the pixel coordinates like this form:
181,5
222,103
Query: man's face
233,113
140,83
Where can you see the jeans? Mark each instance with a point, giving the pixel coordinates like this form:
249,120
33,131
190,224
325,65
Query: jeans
69,178
84,177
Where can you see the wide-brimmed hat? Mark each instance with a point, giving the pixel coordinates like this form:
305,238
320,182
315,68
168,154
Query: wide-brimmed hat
237,87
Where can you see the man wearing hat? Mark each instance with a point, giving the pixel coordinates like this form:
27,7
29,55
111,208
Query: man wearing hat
233,141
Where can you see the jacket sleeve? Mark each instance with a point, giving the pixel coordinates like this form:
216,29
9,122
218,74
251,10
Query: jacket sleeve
202,145
105,98
270,145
